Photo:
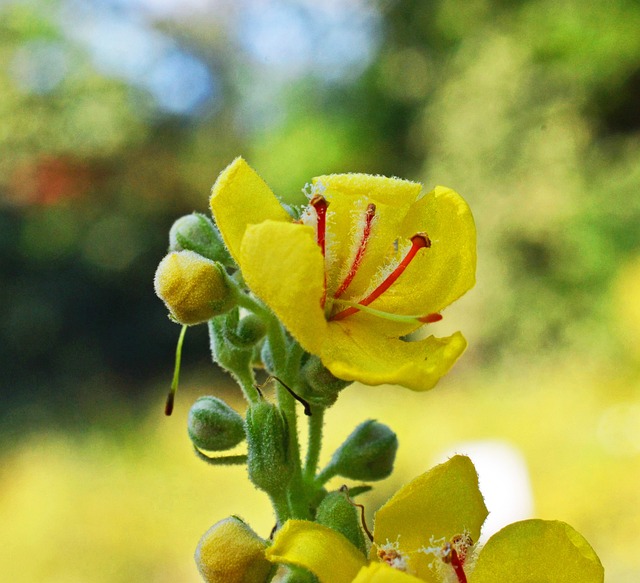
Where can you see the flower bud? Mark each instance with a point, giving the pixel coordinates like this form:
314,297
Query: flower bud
336,512
251,329
196,232
321,387
367,454
231,552
213,425
193,288
268,448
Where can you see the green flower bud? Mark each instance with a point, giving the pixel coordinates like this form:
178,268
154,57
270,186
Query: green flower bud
196,232
251,329
367,454
193,288
337,513
213,425
268,448
231,552
320,386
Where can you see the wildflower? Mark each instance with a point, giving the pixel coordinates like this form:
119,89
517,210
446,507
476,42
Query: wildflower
426,533
369,261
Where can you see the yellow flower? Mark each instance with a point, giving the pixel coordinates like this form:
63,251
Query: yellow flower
369,261
426,533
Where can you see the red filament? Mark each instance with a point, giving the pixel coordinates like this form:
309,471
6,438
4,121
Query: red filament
369,215
418,241
456,563
319,203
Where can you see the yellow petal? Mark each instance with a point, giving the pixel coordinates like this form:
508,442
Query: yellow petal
353,351
544,551
381,573
440,503
391,191
240,198
321,550
439,275
283,266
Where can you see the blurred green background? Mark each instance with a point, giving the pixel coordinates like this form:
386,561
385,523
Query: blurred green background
116,117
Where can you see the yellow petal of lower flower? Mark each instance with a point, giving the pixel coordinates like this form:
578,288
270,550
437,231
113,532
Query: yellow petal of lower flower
439,275
353,352
381,573
284,267
544,551
240,198
439,504
321,550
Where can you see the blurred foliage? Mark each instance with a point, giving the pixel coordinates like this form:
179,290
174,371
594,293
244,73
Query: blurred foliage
117,116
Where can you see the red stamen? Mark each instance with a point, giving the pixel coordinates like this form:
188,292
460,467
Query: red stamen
418,241
320,204
456,563
430,318
370,213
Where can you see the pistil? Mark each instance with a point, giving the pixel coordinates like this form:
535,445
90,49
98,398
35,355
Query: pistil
418,241
366,232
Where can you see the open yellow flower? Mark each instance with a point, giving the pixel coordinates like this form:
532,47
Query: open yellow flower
426,533
369,261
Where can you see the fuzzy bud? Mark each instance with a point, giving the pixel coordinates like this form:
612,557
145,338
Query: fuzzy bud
268,448
213,425
336,512
251,329
193,288
367,454
231,552
196,232
320,387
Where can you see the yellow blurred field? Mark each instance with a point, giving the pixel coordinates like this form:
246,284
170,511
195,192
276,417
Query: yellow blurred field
130,505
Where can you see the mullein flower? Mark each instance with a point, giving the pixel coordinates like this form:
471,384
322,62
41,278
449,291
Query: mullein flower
426,533
369,261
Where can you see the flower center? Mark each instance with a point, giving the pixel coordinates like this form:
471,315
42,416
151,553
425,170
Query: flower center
453,552
418,241
390,554
319,204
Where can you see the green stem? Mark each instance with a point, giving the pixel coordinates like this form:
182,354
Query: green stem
280,509
325,475
316,423
247,382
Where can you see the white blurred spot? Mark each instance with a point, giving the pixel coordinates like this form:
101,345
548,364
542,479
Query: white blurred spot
504,481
